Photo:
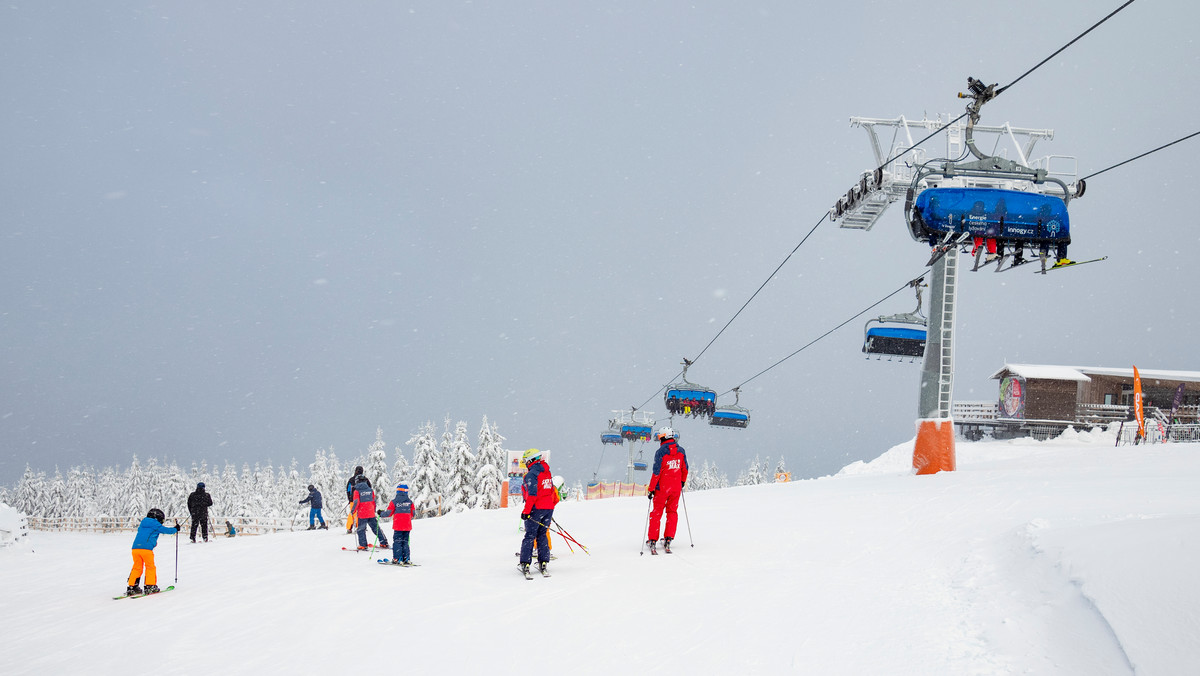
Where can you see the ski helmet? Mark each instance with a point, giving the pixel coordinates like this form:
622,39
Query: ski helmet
200,485
531,455
156,514
312,487
559,481
358,470
401,487
665,433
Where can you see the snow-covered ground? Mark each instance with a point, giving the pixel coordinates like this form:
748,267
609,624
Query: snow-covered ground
1063,557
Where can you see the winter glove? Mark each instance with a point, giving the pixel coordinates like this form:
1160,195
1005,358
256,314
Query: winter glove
649,495
176,524
525,517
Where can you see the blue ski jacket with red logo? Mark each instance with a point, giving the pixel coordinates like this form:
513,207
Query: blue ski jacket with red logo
538,488
670,467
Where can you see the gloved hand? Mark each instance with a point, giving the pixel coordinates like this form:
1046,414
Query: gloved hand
649,495
525,517
176,524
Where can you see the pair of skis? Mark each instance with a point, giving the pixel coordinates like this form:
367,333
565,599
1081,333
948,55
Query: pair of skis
528,572
389,562
666,547
138,596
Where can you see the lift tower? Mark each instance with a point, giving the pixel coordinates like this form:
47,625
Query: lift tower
903,171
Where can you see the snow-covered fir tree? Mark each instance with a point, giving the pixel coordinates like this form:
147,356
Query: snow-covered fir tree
376,467
401,470
424,487
460,469
489,467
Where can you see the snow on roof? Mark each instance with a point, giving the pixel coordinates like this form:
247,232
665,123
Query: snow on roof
1147,374
1041,372
1081,373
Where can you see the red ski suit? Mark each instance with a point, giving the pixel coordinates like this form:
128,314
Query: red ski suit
670,474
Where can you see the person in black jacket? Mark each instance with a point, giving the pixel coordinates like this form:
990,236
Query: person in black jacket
351,519
314,503
198,504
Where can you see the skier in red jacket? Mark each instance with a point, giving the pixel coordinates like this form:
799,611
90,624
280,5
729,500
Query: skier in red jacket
666,485
540,497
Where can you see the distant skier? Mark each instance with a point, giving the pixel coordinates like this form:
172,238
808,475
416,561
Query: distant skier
230,531
358,476
364,510
540,498
143,551
401,509
198,503
314,511
665,487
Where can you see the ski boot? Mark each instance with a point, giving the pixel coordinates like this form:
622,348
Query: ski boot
651,543
133,590
524,568
324,527
311,527
667,545
542,567
152,589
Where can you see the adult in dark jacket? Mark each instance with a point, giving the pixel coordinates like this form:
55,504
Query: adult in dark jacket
198,504
540,497
314,504
351,518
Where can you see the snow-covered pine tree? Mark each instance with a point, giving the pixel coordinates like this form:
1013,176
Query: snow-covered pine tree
376,465
401,470
780,468
133,494
423,488
177,489
56,495
490,464
27,496
445,462
460,489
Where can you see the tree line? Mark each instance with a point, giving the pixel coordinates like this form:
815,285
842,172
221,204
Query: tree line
446,475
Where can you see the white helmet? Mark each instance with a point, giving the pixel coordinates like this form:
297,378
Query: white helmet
558,481
665,433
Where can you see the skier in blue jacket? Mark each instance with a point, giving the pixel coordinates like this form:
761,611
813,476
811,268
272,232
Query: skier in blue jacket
143,551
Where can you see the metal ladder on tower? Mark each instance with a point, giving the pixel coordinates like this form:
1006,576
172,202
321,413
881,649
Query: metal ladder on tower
946,358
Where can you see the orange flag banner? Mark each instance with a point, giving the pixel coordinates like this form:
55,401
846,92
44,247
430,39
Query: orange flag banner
1138,411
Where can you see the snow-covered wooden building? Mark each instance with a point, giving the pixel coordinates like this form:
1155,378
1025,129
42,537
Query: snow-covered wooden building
1042,400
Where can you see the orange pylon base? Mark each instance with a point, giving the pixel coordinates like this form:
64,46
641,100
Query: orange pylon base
934,450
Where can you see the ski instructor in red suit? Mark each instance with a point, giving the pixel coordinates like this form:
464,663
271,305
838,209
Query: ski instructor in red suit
670,474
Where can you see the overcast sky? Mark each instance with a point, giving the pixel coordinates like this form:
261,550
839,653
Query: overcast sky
246,231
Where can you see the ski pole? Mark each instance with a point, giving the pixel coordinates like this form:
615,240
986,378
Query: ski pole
646,530
570,538
687,520
176,552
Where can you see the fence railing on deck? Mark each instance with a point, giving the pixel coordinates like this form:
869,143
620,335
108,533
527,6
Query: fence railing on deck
244,525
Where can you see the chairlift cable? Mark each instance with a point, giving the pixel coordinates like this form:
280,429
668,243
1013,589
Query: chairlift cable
1064,47
1148,152
761,286
1001,90
906,285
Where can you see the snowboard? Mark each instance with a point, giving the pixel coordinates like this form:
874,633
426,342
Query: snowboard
138,596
